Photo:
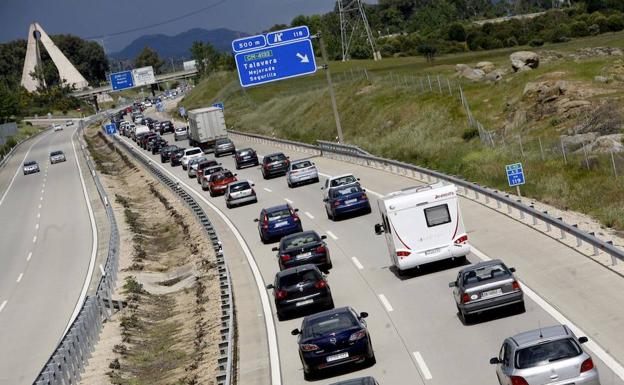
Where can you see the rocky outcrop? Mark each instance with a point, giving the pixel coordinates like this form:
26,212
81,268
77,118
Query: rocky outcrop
485,66
594,52
524,60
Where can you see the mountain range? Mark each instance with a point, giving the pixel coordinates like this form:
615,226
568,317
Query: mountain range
178,46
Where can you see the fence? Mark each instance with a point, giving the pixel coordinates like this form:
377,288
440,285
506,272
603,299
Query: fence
502,202
226,345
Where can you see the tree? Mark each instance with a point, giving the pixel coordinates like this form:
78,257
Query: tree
206,58
428,51
457,32
149,57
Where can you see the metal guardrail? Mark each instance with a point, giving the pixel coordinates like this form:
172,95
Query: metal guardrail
68,360
8,155
226,346
348,154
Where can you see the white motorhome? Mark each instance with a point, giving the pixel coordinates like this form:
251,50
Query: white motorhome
140,129
423,224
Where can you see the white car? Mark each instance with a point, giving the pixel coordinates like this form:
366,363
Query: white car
335,181
190,153
57,156
69,123
148,104
57,127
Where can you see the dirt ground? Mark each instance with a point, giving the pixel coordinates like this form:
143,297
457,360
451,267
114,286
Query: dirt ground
169,332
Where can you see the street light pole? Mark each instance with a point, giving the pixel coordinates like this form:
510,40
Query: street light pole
330,85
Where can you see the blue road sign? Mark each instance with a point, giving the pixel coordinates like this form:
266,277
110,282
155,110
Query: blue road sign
111,128
219,105
121,80
276,63
182,111
515,174
248,43
160,107
286,35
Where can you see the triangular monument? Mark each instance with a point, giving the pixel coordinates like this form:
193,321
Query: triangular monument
66,69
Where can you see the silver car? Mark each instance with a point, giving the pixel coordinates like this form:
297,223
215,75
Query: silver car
486,286
180,133
238,193
30,167
192,166
545,356
205,179
56,157
301,171
224,146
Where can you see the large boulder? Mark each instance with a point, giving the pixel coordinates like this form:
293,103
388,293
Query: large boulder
524,60
473,74
486,66
459,68
495,76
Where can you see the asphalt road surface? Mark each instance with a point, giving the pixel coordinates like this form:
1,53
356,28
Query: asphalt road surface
416,333
46,246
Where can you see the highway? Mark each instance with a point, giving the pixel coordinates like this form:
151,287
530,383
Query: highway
416,333
48,245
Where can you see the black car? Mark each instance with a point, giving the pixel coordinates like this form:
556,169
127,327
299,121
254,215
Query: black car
300,289
274,165
165,126
157,145
165,153
358,381
140,136
176,157
303,248
149,144
245,157
332,338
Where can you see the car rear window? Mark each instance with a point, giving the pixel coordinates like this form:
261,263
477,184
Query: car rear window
437,215
546,353
194,151
245,152
485,273
300,165
240,187
274,158
343,180
338,192
223,175
300,240
330,323
223,141
180,129
213,170
298,277
278,214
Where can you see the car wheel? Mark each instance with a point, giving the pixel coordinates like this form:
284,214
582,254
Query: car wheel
466,318
331,304
370,361
263,239
228,205
289,184
368,210
327,212
264,176
211,193
316,180
329,266
237,167
281,316
162,160
309,375
521,307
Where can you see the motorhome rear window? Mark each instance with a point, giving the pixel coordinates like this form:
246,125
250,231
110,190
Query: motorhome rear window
437,215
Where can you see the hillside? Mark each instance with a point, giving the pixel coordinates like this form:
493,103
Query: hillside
575,97
178,46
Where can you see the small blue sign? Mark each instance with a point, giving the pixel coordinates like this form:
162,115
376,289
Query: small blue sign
515,174
248,43
219,105
121,80
276,63
286,35
182,111
160,107
111,128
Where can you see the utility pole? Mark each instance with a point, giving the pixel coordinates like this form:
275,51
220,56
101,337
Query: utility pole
172,65
330,85
352,21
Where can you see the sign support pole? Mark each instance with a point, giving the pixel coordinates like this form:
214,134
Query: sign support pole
330,85
518,191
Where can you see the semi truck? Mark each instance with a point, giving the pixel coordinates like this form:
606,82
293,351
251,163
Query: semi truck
206,125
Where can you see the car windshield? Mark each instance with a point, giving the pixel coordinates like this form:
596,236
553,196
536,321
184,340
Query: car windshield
547,352
54,153
300,165
223,141
278,214
343,180
274,158
342,191
299,240
299,277
239,187
485,273
30,163
330,323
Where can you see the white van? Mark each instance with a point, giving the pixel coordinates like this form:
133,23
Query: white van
140,129
423,224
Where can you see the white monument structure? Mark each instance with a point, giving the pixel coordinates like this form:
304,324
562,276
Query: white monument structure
66,69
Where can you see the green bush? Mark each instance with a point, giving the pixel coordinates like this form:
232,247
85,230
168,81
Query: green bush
470,133
615,22
536,42
579,29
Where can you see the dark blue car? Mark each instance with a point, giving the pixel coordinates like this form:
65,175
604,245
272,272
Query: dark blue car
344,200
278,221
332,338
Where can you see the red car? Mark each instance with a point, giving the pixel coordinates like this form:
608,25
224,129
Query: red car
218,182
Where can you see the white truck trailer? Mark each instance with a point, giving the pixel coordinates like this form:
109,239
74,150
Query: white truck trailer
422,224
206,125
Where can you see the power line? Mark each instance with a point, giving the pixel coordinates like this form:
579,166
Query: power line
160,23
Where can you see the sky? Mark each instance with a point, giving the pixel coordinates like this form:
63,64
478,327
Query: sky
98,18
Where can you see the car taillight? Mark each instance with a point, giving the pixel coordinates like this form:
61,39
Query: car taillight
285,257
309,347
253,192
266,166
321,284
265,222
320,249
337,203
517,380
357,336
364,197
281,294
403,253
515,285
587,365
294,216
465,298
461,240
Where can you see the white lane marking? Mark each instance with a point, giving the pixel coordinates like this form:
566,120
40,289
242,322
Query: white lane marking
35,239
276,377
42,191
288,200
18,169
40,206
385,302
422,366
615,366
378,195
20,277
268,189
37,226
3,305
29,256
309,215
41,198
332,235
94,239
357,263
38,215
